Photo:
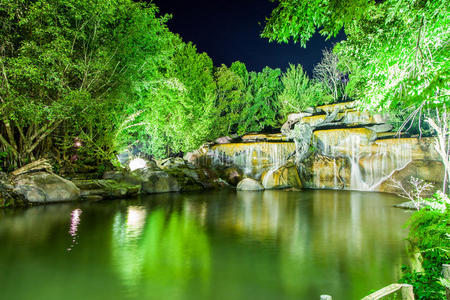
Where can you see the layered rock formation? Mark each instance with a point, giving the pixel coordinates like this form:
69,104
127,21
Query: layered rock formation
349,149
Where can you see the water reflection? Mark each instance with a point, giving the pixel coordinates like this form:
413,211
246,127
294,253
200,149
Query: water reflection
325,241
218,245
74,222
157,253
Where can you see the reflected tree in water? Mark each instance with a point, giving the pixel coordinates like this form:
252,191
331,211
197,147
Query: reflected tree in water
159,253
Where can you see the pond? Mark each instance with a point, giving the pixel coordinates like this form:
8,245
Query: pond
209,245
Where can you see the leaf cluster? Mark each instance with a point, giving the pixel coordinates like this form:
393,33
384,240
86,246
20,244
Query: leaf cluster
430,235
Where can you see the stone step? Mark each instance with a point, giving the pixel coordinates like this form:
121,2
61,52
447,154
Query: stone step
349,118
392,134
344,137
329,108
260,137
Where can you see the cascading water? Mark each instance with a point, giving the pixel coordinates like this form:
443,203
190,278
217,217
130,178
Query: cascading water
370,163
344,158
252,158
388,159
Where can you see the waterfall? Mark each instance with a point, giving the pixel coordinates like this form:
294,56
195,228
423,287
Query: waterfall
388,159
252,158
347,158
370,163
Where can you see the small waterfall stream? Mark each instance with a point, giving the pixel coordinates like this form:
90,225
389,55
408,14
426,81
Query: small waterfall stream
252,158
370,163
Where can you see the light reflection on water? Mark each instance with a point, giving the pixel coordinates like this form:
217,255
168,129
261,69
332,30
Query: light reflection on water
75,221
221,245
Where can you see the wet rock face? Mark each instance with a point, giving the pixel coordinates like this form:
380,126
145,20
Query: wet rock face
159,182
284,177
321,171
232,175
44,187
7,195
429,171
249,184
252,159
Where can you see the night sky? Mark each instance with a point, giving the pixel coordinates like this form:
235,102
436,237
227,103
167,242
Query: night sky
228,30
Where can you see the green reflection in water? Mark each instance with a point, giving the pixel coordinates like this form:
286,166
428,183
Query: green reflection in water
159,253
358,254
210,245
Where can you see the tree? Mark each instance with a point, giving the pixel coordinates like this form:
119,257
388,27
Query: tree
63,62
396,51
176,112
327,72
397,55
299,91
299,20
230,99
261,104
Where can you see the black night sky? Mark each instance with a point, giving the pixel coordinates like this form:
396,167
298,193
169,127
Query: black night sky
228,30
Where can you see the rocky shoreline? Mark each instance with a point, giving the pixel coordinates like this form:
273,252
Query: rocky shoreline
36,183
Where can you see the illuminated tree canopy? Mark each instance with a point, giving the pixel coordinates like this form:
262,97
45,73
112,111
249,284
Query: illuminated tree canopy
396,51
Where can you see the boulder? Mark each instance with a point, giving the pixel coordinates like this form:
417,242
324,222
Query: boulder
196,157
187,179
45,187
106,188
380,128
223,140
249,184
310,110
171,163
328,108
284,177
292,119
159,182
152,181
429,171
7,195
410,205
232,175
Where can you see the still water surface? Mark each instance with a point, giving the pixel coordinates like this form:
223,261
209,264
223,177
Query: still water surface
211,245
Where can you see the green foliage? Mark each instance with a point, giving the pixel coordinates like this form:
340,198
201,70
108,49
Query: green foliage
261,101
175,112
299,20
430,235
397,55
69,67
3,155
230,98
299,91
396,51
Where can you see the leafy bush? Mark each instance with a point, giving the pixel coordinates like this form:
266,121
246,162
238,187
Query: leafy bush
300,91
430,236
